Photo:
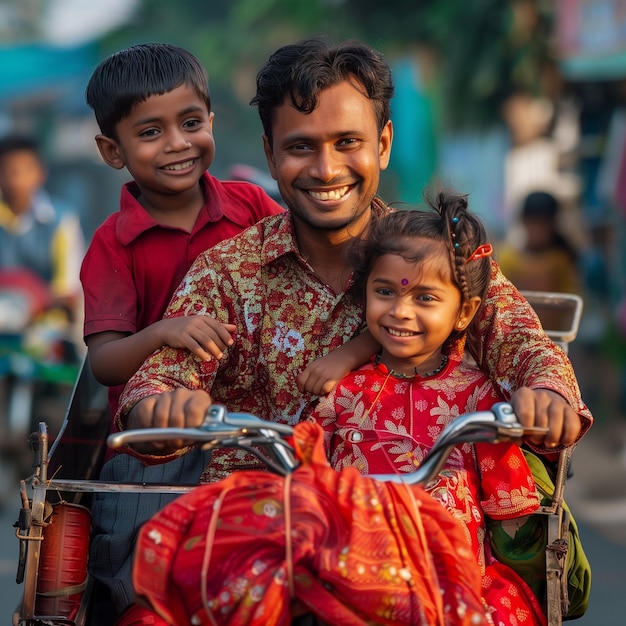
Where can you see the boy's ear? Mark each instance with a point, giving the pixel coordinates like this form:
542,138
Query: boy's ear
467,312
109,151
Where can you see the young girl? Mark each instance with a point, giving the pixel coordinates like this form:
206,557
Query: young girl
423,275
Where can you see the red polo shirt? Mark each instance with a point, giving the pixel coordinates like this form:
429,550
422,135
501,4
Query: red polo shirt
134,264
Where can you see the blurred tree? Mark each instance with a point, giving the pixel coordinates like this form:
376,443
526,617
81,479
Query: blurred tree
486,49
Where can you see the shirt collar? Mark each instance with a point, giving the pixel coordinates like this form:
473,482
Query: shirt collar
280,236
134,220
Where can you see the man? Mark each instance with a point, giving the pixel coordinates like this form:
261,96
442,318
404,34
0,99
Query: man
285,283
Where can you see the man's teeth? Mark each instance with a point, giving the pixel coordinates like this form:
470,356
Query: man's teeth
333,194
400,333
179,166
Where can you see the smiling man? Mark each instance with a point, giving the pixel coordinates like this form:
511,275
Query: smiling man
285,283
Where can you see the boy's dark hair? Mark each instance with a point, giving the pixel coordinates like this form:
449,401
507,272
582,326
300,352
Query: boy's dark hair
300,71
447,222
17,143
132,75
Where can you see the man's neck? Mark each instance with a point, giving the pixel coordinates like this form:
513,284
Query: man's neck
325,252
327,258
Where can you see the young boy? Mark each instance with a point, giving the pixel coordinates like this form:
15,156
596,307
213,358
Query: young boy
153,107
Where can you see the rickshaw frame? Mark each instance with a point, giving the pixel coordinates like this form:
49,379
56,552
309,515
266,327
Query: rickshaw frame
87,424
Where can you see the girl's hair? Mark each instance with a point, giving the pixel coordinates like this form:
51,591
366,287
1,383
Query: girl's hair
131,76
404,232
297,73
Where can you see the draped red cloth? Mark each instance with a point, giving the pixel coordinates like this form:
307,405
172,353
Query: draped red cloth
256,548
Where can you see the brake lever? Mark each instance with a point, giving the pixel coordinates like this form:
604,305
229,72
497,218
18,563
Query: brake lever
508,425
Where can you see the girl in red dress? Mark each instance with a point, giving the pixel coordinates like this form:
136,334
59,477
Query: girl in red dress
423,275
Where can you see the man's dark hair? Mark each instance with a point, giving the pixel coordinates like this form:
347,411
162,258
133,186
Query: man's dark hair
131,76
300,71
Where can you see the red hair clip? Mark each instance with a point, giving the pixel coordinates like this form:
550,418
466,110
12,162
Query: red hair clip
484,250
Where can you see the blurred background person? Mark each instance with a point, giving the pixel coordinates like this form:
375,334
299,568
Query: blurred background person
39,236
544,260
41,248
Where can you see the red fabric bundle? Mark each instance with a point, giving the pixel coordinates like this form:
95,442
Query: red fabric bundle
256,549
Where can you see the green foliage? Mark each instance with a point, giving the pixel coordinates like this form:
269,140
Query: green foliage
487,49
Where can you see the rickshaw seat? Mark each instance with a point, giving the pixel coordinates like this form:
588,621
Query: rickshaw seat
559,314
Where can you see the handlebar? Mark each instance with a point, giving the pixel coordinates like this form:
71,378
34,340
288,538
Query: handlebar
497,425
244,430
227,430
218,425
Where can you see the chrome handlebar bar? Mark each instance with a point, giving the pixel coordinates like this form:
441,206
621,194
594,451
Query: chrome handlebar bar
223,429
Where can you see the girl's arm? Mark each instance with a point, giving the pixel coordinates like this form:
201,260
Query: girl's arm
321,376
115,356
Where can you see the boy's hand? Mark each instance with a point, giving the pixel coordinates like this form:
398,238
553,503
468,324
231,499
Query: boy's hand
181,408
542,407
321,376
202,335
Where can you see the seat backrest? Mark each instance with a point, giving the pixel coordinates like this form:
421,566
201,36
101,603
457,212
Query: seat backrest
559,314
79,448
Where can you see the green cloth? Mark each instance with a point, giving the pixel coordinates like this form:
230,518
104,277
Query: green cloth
525,552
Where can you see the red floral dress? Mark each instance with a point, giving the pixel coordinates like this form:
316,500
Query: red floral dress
383,424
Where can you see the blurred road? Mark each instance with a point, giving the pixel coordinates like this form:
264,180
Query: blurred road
596,493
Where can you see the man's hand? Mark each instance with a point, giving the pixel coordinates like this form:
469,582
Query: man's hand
542,407
180,408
